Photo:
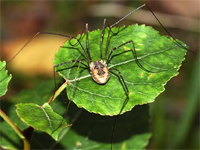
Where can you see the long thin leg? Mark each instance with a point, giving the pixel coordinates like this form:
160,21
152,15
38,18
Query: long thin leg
107,44
135,56
112,32
78,39
179,44
79,61
168,31
106,49
87,42
109,57
127,15
71,37
101,39
124,104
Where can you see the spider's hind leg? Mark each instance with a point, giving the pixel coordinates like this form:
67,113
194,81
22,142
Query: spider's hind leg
124,104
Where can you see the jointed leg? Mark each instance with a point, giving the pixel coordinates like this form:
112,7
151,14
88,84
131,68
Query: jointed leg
71,37
78,39
101,39
124,104
126,16
135,56
87,42
79,61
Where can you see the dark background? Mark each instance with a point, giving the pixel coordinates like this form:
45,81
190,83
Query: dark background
175,113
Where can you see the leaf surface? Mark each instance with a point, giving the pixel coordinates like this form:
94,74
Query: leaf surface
156,53
41,118
88,130
38,95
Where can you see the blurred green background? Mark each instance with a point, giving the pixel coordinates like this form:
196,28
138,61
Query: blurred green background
175,113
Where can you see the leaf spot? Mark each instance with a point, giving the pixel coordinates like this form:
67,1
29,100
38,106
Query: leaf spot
91,93
150,76
143,36
139,44
126,48
142,74
123,146
78,144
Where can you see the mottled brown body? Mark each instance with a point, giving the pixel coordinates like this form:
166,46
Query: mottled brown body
99,71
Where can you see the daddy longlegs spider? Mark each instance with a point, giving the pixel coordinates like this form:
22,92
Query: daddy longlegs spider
99,68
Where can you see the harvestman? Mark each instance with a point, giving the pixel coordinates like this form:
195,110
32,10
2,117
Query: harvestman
98,69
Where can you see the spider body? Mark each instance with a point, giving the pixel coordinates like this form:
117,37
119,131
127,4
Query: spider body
99,71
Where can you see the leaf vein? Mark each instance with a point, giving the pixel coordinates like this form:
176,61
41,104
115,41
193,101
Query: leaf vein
47,117
95,93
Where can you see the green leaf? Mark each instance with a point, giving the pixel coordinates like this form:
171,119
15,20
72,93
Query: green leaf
156,53
4,78
41,118
92,131
39,95
88,130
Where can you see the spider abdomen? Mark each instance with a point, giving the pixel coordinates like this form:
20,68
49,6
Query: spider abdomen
99,71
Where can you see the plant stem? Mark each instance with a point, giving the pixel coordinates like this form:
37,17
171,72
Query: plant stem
16,129
61,88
